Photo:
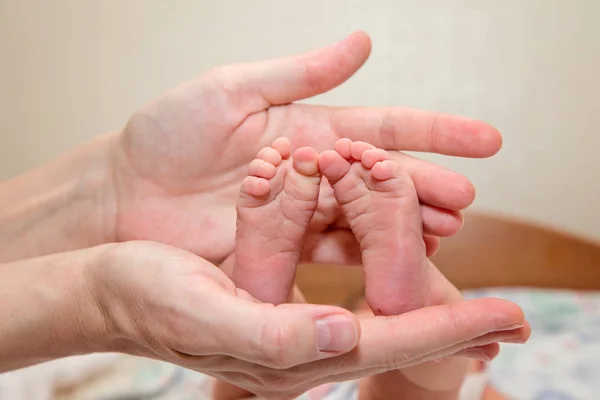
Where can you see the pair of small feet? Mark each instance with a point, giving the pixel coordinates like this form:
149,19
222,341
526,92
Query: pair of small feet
279,197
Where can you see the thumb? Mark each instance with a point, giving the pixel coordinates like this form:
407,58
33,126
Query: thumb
286,335
283,80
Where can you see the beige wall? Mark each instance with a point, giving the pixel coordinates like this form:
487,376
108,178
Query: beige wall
73,69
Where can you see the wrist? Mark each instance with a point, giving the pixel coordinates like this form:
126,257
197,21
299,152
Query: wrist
67,204
117,303
48,310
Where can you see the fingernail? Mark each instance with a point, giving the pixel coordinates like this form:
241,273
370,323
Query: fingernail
336,333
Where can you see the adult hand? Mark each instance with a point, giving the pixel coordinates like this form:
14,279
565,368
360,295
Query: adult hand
179,162
169,304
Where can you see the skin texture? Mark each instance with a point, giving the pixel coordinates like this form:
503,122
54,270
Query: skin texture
184,295
173,184
379,201
162,177
276,202
48,310
179,307
64,205
263,93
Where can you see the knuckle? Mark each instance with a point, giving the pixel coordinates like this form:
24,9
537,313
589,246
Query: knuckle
400,357
275,341
225,78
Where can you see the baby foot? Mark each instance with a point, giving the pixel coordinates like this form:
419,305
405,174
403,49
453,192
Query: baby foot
277,201
382,208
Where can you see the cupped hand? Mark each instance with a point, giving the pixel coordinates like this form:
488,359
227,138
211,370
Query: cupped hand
168,304
179,162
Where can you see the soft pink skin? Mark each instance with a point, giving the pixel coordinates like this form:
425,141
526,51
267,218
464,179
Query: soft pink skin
277,201
379,200
173,185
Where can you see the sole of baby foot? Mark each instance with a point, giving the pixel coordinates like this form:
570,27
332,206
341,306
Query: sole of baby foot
382,208
277,201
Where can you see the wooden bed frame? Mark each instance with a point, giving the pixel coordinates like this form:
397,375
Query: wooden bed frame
490,251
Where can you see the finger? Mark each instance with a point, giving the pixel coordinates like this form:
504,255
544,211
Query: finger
432,244
516,335
482,348
485,345
397,341
436,185
440,191
436,221
479,346
440,222
398,128
283,80
280,336
339,246
482,353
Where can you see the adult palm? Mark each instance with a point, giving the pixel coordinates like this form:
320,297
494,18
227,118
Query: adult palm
180,159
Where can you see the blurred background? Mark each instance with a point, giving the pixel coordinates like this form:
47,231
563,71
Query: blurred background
72,69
